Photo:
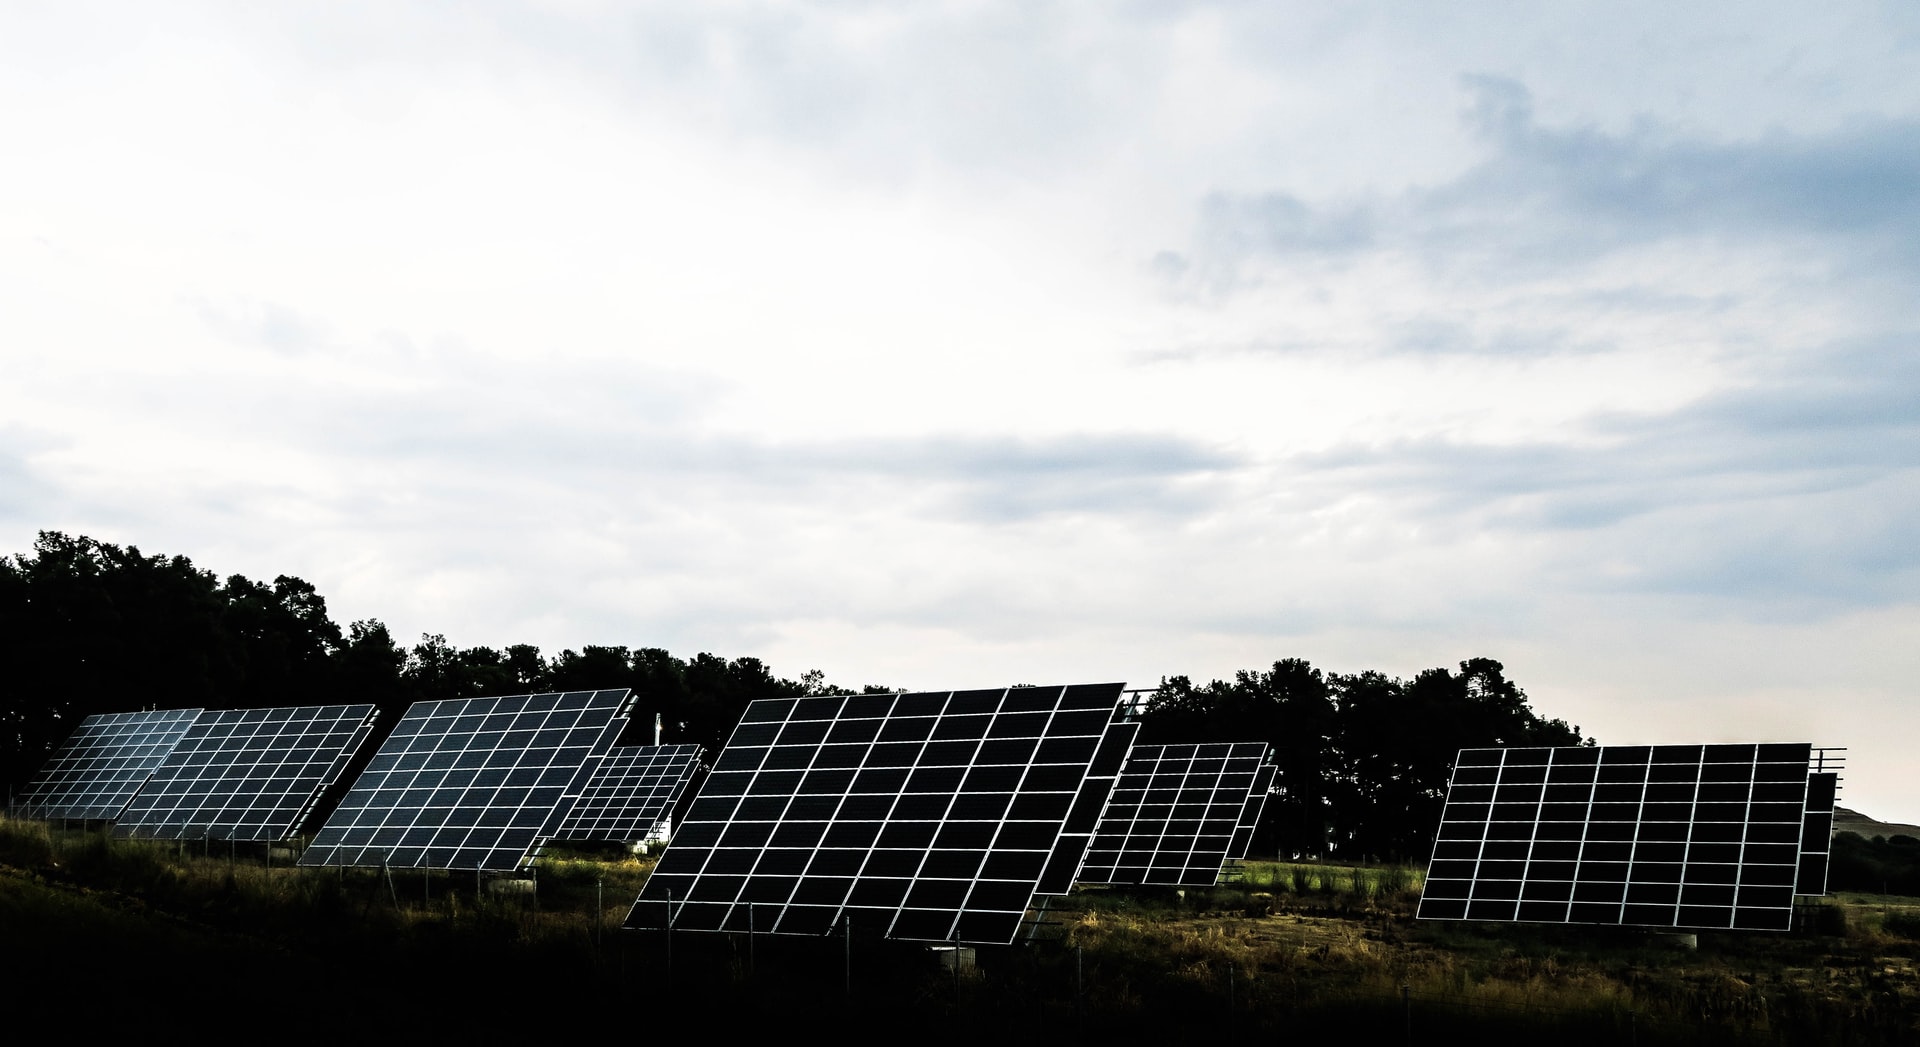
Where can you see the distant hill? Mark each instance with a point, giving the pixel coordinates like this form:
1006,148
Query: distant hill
1850,821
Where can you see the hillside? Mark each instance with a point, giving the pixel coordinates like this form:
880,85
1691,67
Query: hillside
1851,821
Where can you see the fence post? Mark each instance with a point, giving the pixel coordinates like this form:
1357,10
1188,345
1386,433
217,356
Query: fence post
1079,984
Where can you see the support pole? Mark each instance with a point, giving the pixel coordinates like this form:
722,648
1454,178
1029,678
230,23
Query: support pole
1079,987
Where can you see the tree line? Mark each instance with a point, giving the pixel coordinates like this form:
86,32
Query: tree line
1361,760
90,627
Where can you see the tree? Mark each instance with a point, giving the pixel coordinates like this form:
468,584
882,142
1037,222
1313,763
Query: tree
1374,797
719,691
282,642
89,627
527,671
1296,703
1398,741
369,667
590,669
433,671
97,628
1290,707
1363,760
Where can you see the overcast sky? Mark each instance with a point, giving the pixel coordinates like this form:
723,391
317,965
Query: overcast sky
966,344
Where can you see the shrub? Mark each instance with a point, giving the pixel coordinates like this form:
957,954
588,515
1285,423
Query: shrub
1903,923
25,844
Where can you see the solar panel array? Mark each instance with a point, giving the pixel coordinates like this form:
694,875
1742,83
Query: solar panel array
1176,814
247,774
1686,836
931,816
472,783
103,763
634,790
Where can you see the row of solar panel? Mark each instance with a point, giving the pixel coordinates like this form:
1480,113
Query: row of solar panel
946,813
948,808
256,774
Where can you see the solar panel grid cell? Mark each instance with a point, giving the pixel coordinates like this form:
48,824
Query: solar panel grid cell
928,815
1684,836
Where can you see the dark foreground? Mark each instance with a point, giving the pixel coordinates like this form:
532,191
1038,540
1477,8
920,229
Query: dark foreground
115,936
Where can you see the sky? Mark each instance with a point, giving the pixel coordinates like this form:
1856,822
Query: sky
966,344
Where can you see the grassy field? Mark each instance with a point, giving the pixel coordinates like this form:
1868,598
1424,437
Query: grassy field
129,935
1337,947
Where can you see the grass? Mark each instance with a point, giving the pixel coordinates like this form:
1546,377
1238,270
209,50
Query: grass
1288,949
1301,946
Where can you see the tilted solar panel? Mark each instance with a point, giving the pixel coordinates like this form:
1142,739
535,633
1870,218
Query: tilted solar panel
1688,836
103,763
472,783
635,788
930,816
1816,833
1250,815
1175,814
1096,789
247,774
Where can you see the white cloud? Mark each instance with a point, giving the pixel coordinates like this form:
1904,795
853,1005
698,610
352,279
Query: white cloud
977,343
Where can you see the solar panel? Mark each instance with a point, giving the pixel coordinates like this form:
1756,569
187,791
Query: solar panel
1816,833
472,783
1692,836
247,774
632,793
1096,789
1176,814
933,816
103,763
1250,814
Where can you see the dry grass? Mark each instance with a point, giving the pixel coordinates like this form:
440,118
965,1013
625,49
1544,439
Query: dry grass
1294,948
1302,940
